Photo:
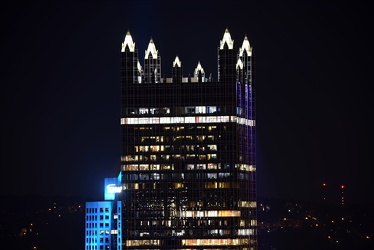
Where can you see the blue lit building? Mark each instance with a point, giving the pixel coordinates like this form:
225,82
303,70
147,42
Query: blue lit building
103,218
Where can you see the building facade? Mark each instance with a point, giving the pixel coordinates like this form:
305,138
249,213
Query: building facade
103,218
188,162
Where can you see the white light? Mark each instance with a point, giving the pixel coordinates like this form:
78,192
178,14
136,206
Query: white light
188,119
128,42
227,39
177,62
112,188
239,64
139,66
199,68
245,47
151,49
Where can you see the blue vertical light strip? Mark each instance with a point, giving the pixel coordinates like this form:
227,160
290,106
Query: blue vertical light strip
119,225
119,214
239,111
251,129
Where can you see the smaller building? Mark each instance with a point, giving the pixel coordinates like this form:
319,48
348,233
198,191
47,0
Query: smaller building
103,218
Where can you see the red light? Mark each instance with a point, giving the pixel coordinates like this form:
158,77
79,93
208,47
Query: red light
342,186
324,184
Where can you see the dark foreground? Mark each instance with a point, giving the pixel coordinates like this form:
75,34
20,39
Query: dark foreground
37,222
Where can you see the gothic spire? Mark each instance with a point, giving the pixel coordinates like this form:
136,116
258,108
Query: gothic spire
226,40
128,42
151,50
245,47
199,68
177,62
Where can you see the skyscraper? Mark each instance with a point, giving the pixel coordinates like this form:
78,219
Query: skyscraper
188,162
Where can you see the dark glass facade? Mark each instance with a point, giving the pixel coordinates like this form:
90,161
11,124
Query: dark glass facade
188,154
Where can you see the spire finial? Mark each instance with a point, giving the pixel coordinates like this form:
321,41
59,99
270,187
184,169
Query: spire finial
245,47
151,50
226,39
199,68
128,42
177,62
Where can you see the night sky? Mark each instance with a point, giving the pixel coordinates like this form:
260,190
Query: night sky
60,89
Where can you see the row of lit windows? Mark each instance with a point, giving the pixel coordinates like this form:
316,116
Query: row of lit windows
188,119
177,128
251,204
185,204
94,210
161,148
142,167
176,185
145,111
209,213
215,242
221,185
129,158
94,217
190,222
199,166
183,176
166,110
182,128
192,242
182,232
178,138
96,232
131,243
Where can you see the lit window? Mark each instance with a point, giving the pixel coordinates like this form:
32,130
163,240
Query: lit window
190,166
143,167
212,166
178,185
211,109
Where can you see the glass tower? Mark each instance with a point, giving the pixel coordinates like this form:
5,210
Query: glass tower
188,152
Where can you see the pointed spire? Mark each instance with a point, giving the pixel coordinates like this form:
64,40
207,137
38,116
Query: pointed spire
177,62
199,68
151,49
245,47
226,39
239,64
128,42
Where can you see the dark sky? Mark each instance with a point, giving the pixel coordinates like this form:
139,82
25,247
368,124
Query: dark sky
60,88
